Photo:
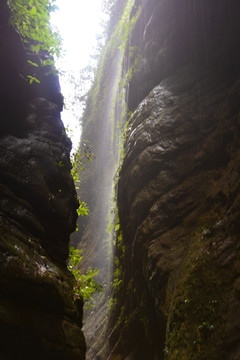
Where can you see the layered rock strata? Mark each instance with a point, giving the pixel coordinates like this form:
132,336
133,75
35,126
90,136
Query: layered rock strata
38,316
176,275
180,220
178,193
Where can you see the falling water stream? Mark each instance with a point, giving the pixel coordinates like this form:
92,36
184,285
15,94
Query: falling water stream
102,129
99,251
103,125
95,240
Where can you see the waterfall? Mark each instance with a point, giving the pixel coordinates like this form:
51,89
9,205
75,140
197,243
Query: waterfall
103,131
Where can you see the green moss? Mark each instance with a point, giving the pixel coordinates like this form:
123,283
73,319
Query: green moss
116,46
106,116
196,302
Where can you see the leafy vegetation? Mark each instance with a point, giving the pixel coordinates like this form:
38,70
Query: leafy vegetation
85,285
77,166
32,21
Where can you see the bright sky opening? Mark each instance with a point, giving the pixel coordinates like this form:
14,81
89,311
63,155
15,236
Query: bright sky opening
78,22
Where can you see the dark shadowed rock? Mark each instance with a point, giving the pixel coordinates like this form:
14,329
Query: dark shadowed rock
38,316
176,284
179,221
178,192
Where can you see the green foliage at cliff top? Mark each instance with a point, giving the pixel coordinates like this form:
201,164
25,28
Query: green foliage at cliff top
32,20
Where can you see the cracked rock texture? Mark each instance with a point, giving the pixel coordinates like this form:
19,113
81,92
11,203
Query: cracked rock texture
38,316
180,222
176,261
178,192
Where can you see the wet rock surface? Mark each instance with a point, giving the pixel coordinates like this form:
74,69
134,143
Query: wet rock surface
180,221
38,316
169,35
178,192
176,266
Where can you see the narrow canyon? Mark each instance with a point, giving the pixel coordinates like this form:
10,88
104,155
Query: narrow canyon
162,119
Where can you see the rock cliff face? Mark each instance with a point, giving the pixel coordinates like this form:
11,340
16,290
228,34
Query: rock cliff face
38,317
178,193
180,221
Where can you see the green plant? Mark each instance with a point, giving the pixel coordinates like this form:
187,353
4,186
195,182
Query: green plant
77,166
117,281
60,164
77,158
111,303
32,79
82,209
85,284
32,21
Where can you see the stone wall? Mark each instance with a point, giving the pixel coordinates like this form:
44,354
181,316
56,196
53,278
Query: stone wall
176,293
38,316
178,193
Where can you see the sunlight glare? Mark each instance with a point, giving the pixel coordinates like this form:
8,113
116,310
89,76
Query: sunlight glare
78,22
